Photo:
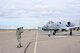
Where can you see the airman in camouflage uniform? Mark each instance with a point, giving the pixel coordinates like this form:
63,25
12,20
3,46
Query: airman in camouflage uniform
18,34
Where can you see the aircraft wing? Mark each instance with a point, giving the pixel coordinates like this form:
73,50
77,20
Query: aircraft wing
68,28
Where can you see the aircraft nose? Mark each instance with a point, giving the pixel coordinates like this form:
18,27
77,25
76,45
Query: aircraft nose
44,27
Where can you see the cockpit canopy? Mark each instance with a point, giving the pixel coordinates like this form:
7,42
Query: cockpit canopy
50,22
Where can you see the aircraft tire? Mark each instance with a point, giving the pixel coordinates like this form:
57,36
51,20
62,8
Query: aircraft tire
53,33
70,32
78,29
48,35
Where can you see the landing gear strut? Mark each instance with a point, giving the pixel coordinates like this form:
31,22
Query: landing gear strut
70,32
48,35
54,32
78,29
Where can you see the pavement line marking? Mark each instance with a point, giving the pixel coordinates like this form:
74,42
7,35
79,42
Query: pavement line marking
27,47
35,48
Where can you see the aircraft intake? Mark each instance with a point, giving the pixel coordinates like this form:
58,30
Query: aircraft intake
68,24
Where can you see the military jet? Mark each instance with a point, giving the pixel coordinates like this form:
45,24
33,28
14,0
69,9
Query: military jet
60,27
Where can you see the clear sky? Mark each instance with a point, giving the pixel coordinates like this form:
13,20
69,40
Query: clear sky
34,13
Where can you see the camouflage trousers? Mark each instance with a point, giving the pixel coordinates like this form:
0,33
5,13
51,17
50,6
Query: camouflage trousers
19,42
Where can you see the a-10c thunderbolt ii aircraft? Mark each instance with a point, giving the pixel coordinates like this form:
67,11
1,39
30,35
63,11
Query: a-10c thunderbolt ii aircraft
60,27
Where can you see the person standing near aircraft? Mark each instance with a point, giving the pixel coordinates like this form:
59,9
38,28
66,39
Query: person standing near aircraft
18,35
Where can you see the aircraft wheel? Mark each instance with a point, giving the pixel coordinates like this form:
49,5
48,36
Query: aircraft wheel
48,35
78,29
70,32
53,33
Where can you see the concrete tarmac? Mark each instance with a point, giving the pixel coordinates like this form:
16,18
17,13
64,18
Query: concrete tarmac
60,43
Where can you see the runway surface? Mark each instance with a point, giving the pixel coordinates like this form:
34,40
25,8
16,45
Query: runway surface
34,42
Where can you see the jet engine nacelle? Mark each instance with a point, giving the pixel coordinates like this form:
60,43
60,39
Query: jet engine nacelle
68,24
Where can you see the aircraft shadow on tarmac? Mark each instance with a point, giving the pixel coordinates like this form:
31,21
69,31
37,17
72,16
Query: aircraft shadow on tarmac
74,34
